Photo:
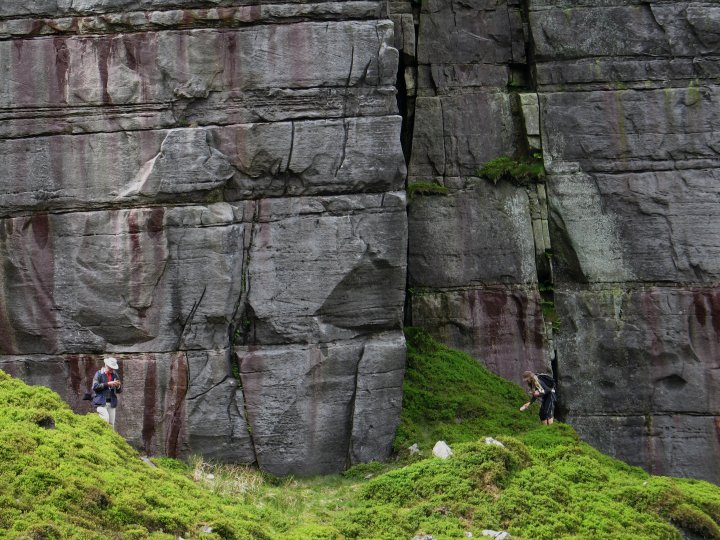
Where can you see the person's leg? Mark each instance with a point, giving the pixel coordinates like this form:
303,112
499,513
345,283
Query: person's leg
103,413
111,416
547,409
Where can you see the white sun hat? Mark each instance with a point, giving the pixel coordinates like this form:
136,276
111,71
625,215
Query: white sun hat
111,362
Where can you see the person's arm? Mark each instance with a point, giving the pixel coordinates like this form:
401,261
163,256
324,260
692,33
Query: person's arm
118,388
535,394
97,385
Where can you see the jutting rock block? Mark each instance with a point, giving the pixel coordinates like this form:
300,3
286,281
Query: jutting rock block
217,202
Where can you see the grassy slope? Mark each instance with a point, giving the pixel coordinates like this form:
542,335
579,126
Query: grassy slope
82,480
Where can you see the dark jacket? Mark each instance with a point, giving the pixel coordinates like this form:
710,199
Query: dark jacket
102,392
545,386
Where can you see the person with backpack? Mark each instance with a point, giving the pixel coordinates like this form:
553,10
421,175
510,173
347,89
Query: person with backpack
106,385
541,386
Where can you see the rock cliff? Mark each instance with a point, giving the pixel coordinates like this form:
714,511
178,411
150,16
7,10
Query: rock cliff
213,192
606,270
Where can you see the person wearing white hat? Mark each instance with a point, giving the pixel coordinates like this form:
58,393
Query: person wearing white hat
106,385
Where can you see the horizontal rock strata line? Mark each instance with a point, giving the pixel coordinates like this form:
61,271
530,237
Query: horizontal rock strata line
219,109
55,8
228,17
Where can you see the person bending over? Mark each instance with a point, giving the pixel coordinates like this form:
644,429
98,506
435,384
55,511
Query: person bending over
541,386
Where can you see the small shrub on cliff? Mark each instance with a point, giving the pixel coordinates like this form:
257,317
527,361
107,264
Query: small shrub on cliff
426,188
518,172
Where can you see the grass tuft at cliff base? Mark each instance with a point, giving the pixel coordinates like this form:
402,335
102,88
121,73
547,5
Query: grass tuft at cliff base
81,480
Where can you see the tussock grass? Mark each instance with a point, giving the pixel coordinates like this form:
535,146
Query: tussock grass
227,479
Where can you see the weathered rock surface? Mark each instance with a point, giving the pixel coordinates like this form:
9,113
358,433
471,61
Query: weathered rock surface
503,326
639,374
342,393
211,192
473,252
610,266
630,123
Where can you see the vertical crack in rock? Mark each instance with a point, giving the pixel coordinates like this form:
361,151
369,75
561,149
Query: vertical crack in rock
351,418
187,325
242,414
347,82
290,151
242,324
444,141
346,129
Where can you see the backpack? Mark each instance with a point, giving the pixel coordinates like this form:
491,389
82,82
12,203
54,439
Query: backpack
547,381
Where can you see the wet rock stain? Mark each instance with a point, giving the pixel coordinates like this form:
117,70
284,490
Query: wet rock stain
41,254
81,370
149,410
175,406
61,66
104,49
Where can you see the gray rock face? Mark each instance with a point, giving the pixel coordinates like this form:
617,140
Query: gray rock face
473,252
214,197
610,265
476,235
649,393
630,122
354,382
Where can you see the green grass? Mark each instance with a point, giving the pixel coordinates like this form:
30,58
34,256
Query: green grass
518,172
449,396
81,480
426,188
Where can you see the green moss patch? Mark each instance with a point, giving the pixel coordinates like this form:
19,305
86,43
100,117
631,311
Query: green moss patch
82,480
426,188
518,172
